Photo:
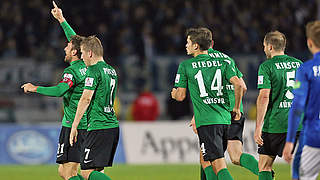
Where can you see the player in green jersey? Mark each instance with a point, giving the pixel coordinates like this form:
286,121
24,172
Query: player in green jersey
206,79
70,88
98,98
235,143
275,83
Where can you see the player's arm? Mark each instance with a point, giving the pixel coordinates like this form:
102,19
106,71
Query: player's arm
238,94
232,76
83,105
179,93
301,89
264,86
262,105
54,91
57,14
180,90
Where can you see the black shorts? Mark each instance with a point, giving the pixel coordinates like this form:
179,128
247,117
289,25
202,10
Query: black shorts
273,143
236,129
67,153
213,141
99,148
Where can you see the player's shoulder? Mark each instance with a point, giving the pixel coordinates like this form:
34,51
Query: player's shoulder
291,58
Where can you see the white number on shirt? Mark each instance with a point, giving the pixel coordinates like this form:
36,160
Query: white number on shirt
215,85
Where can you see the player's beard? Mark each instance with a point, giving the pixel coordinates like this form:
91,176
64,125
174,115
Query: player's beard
67,58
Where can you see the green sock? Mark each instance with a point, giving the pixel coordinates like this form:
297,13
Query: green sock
80,177
249,162
210,175
74,178
96,175
224,174
265,175
202,174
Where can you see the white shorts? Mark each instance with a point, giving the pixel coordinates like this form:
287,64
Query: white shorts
310,163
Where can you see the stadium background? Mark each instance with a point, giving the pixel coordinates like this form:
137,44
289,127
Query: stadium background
144,40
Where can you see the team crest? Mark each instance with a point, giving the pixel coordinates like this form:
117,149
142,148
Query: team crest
177,78
89,82
260,79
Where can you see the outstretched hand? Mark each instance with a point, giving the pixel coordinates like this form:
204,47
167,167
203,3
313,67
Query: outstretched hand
57,13
28,87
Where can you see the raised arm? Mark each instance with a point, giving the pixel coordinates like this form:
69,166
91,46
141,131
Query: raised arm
57,14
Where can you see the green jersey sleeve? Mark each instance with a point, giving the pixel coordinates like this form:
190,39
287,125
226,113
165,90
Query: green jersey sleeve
181,77
264,77
67,81
68,31
239,73
230,71
91,81
54,91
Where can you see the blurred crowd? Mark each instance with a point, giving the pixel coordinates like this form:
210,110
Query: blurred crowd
148,27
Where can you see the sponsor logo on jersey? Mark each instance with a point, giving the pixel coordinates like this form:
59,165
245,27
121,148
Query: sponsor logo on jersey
260,79
29,147
89,82
177,78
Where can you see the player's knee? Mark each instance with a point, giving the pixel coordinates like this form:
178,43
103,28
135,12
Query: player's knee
85,174
235,157
61,171
235,161
205,164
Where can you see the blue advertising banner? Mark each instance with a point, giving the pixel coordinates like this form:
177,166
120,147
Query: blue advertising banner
35,144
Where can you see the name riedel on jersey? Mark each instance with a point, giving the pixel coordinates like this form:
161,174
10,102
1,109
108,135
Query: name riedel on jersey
200,64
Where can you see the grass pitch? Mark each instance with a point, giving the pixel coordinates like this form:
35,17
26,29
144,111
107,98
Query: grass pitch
134,172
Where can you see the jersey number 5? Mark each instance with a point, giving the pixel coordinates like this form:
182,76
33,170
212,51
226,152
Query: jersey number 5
215,85
290,83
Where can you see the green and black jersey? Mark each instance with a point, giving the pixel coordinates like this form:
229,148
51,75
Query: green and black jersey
101,78
206,78
278,75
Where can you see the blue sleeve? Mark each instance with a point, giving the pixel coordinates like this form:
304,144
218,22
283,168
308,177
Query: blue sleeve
300,92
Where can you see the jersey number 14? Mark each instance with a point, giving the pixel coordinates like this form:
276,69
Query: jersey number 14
215,85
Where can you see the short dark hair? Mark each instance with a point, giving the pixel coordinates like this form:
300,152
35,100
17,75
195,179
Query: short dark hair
76,42
276,39
313,32
202,36
92,43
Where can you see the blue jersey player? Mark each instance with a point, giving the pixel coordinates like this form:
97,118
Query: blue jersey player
307,101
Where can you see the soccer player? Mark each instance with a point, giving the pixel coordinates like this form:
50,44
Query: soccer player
70,88
275,82
98,98
236,128
206,79
307,100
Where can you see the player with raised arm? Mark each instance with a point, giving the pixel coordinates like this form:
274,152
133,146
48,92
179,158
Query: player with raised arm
307,100
206,79
70,88
275,83
97,99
